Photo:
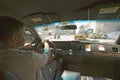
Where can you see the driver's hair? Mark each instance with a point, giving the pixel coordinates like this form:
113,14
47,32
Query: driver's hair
8,26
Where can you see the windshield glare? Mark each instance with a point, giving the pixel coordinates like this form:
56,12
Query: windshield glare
106,31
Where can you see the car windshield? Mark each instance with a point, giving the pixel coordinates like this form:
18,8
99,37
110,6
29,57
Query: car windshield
104,31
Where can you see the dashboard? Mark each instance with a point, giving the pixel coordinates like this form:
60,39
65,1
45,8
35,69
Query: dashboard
78,47
92,59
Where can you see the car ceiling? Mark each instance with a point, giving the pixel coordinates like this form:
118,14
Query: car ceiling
36,12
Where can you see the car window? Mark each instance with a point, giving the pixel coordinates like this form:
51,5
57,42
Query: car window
29,40
104,31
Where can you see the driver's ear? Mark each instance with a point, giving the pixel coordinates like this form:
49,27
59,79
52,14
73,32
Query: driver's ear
14,38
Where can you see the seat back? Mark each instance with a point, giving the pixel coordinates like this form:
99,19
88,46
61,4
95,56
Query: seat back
7,75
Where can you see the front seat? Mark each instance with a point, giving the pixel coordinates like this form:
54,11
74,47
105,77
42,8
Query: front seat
7,75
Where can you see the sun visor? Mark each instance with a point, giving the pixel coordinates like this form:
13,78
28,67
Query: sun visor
41,18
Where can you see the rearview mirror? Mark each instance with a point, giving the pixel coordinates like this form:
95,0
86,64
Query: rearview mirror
69,27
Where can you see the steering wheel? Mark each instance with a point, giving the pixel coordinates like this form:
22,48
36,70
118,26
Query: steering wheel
52,46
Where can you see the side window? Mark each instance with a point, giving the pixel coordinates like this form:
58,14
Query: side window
29,40
29,37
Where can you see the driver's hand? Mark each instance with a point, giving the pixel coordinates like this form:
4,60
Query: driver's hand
46,47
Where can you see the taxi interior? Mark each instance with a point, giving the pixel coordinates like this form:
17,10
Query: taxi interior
90,58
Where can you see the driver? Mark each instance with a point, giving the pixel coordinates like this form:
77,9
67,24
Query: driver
26,64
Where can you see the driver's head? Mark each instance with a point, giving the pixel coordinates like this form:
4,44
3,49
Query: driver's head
7,75
11,33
